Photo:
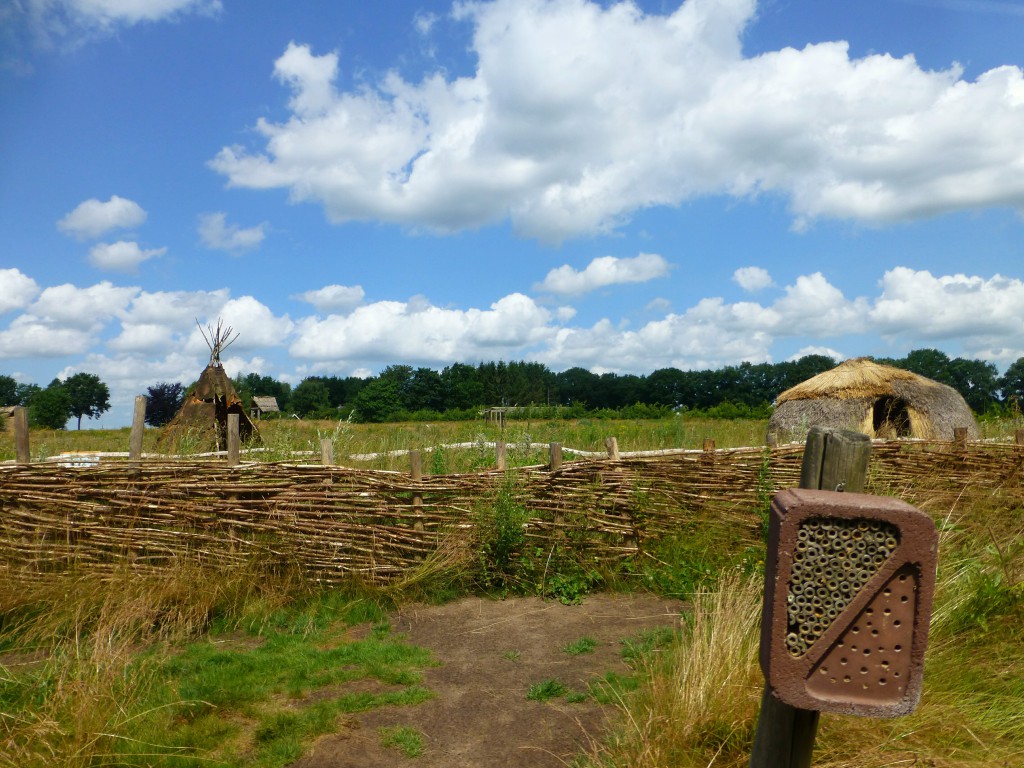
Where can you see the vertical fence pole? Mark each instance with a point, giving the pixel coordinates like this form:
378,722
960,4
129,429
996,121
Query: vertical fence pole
138,428
1018,437
234,443
709,445
555,453
611,444
326,451
416,473
21,447
960,437
834,460
500,455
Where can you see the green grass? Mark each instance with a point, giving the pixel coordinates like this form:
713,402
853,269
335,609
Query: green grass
406,740
581,646
547,689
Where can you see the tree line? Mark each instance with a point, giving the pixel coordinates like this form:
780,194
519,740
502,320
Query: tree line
460,390
401,392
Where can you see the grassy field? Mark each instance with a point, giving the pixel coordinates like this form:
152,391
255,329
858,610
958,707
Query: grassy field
198,666
294,440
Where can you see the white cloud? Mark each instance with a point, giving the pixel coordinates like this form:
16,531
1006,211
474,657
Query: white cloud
217,234
28,337
121,256
106,12
578,114
753,279
334,298
94,218
604,271
16,290
420,332
82,307
949,306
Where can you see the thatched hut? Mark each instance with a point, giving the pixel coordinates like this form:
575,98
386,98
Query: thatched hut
878,400
202,422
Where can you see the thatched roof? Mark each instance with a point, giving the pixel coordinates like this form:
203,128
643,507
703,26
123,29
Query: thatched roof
202,420
878,400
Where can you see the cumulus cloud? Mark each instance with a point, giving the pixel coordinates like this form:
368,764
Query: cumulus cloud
17,289
604,271
579,114
121,256
752,279
218,235
420,332
334,298
94,218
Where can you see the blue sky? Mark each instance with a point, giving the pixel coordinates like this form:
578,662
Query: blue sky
617,186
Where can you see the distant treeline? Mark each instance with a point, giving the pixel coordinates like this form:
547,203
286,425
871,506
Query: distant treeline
401,392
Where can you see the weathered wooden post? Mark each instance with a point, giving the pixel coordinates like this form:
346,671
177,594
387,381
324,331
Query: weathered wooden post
555,456
849,581
138,428
960,438
1018,437
416,473
834,460
611,444
326,451
500,455
709,445
234,442
21,447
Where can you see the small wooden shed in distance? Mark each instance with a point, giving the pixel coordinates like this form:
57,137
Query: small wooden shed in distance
878,400
263,405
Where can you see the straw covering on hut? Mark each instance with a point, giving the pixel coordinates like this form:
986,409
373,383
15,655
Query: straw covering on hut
202,422
878,400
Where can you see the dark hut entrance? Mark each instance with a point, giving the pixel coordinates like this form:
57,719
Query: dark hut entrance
890,418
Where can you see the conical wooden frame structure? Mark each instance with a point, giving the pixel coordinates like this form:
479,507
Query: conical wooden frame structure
202,422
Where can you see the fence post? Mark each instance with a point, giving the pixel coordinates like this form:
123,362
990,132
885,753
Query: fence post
960,437
612,446
234,443
500,455
416,472
326,451
709,445
138,428
555,453
1018,437
21,447
834,460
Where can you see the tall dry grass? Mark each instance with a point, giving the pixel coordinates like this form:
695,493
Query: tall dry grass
700,697
78,651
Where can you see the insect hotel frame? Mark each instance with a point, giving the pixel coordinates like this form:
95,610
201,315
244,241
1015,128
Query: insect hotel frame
849,581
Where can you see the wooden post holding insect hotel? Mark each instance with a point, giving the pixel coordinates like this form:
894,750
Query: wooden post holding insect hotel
849,580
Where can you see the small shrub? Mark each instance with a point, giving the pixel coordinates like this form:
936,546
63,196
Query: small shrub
549,689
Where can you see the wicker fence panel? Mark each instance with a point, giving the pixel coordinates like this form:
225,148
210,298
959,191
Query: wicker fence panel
333,522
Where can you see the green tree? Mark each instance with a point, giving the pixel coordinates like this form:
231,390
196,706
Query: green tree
8,391
25,393
50,407
90,397
164,402
1011,383
310,399
380,400
976,380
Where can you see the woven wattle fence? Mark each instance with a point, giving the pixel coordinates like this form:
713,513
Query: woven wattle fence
333,522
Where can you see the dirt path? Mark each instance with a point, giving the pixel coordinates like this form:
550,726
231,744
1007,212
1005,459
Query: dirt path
490,653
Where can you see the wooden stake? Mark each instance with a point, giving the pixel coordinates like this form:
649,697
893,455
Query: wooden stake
416,472
555,452
960,437
234,443
500,455
138,428
612,445
326,451
834,460
21,447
